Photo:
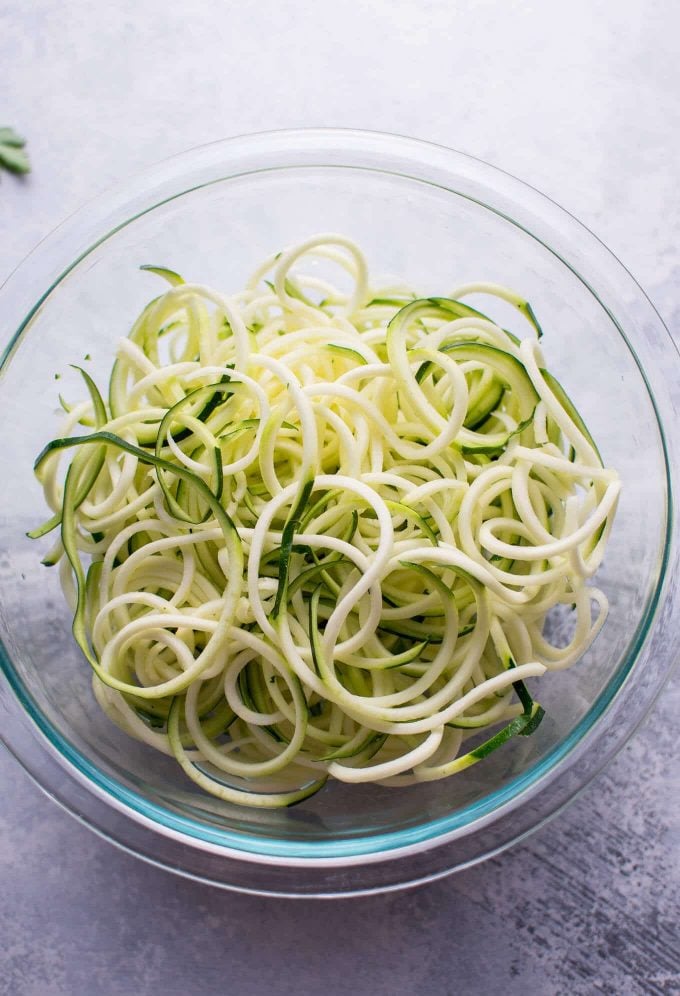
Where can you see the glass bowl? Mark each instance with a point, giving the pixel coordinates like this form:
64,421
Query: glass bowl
435,218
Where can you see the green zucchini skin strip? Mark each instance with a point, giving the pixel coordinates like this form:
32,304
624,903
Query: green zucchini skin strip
507,366
291,526
507,660
210,406
68,536
172,278
499,443
210,391
91,471
216,725
252,694
456,309
523,725
98,405
365,741
512,372
318,568
352,354
409,513
529,313
485,407
85,484
396,660
522,306
570,409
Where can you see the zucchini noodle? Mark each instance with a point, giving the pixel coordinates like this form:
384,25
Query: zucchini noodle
315,531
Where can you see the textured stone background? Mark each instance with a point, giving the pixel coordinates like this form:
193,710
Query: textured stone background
583,101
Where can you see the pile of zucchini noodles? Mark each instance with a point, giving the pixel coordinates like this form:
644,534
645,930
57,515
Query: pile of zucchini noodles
323,529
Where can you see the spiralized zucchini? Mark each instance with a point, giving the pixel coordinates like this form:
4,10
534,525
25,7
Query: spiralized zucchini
323,529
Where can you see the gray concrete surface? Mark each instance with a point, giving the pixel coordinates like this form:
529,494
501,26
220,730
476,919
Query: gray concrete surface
583,101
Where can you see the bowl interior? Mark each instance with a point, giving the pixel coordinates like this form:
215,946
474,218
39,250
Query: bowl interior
433,238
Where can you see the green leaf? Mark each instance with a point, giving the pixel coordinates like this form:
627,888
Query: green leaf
12,154
8,136
14,160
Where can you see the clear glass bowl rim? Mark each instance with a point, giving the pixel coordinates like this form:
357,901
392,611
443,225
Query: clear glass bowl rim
32,282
